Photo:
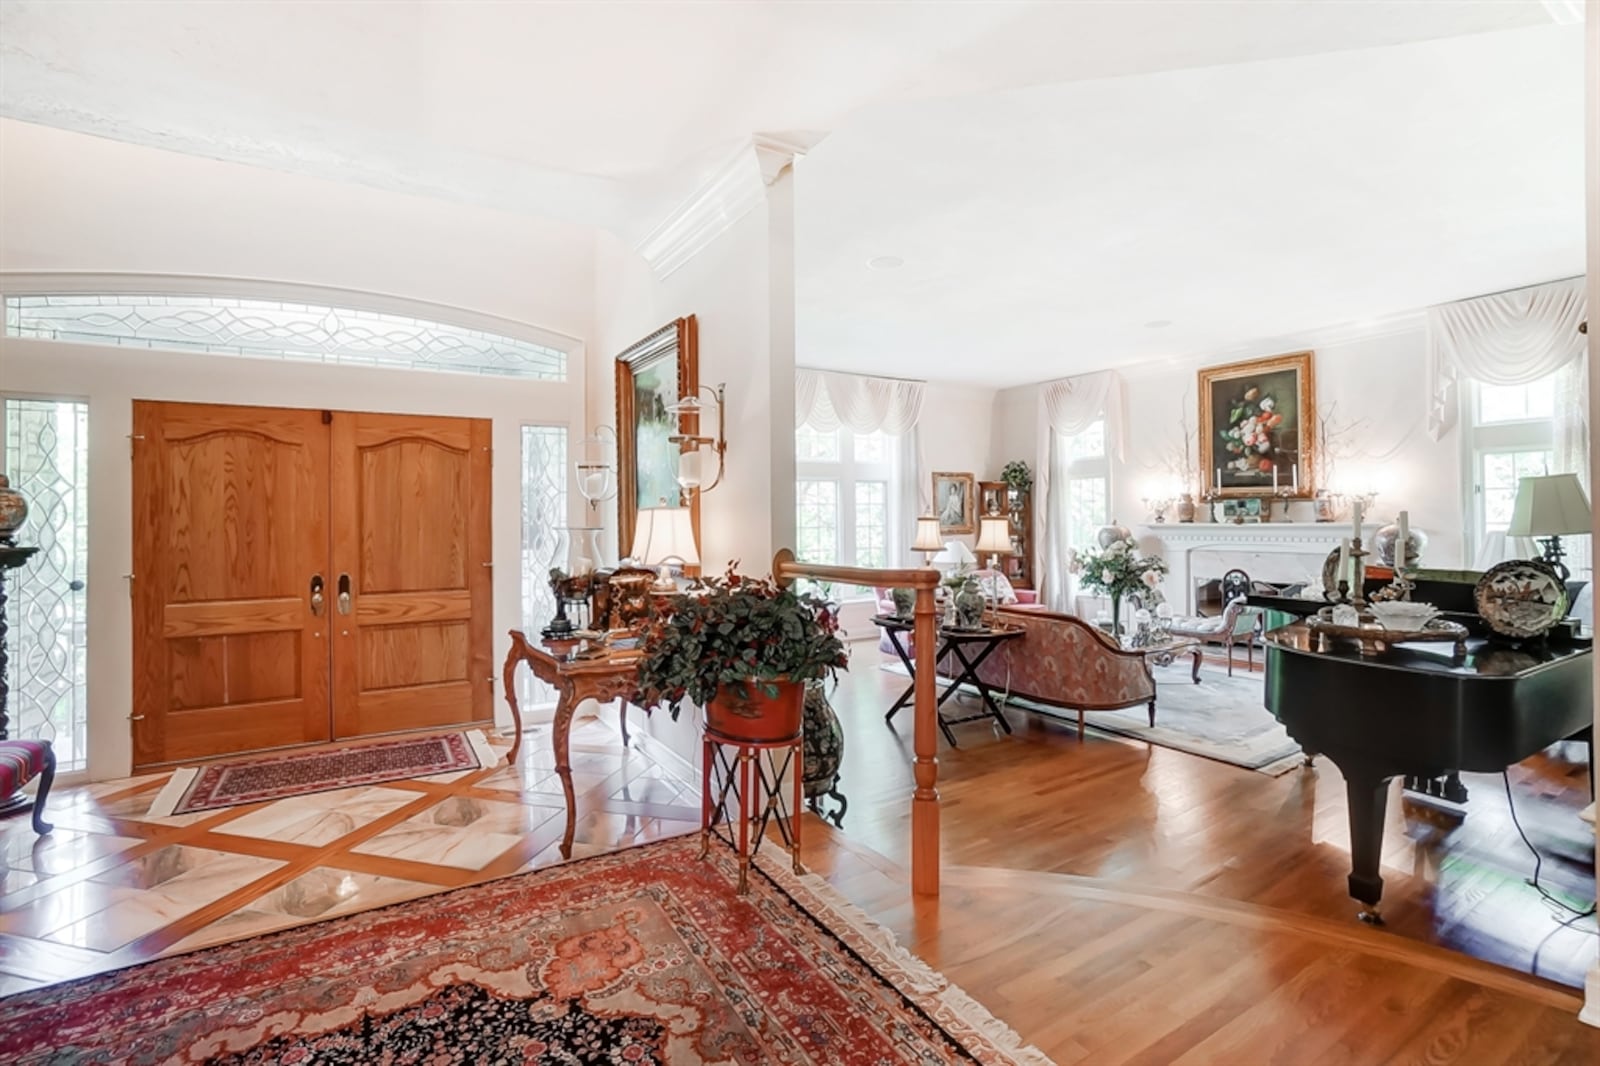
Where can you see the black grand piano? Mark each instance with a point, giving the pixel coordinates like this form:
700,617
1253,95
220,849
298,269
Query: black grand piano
1420,711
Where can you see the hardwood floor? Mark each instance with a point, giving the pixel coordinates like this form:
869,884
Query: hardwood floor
1111,901
1122,903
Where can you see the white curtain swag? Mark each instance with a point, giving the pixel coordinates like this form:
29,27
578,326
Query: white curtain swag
826,400
1507,338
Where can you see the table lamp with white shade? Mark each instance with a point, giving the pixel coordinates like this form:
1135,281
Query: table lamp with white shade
994,540
956,557
1551,506
664,536
927,540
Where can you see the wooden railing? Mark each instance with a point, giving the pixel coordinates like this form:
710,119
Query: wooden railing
925,733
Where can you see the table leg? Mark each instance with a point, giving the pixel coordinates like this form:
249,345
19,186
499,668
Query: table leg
508,681
798,768
1194,672
622,716
705,795
560,740
911,668
970,673
744,820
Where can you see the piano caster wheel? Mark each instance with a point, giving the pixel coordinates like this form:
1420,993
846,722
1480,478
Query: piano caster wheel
1369,914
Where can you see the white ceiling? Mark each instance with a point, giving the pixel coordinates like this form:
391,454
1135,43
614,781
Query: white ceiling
1043,229
1054,174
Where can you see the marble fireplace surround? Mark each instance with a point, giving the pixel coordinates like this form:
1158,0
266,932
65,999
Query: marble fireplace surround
1279,552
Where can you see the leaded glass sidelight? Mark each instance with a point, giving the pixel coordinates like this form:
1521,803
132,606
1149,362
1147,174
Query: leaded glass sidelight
47,459
544,517
274,329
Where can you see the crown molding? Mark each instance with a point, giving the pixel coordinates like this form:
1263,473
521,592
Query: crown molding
733,189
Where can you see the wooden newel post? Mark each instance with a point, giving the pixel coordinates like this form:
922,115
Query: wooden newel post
925,745
925,740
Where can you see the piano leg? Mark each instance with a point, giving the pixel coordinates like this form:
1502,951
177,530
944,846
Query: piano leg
1367,795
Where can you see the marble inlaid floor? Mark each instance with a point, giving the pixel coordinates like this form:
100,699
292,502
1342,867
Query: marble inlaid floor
111,886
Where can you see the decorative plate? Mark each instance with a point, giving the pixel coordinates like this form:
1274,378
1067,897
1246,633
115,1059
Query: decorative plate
1521,598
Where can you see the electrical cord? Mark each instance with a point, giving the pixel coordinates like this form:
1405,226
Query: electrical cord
1538,861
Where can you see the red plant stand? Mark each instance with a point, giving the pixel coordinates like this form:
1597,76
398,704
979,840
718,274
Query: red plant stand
756,780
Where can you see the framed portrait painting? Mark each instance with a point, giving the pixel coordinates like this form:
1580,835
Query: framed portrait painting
1258,427
954,503
652,375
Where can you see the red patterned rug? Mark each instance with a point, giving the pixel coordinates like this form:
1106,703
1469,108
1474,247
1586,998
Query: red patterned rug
641,956
228,784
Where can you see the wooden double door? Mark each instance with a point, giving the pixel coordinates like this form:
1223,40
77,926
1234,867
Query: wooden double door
302,576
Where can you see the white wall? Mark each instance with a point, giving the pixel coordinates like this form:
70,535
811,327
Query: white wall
71,202
741,290
1372,377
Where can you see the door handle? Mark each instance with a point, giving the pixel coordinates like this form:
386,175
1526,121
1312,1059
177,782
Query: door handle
316,594
344,593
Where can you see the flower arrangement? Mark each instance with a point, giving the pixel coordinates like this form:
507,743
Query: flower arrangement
1117,569
732,630
1248,436
1017,476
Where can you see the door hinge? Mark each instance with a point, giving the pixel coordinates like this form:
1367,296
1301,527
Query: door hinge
131,438
129,579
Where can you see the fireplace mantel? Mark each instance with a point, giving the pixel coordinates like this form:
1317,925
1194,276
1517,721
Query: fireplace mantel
1177,542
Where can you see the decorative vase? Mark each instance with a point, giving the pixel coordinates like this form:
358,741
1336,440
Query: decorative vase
743,711
1383,543
822,752
1108,535
1186,508
1326,507
904,602
1116,614
13,511
970,605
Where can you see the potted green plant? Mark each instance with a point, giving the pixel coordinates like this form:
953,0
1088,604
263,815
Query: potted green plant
743,649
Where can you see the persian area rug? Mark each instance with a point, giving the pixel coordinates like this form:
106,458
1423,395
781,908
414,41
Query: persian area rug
228,784
636,957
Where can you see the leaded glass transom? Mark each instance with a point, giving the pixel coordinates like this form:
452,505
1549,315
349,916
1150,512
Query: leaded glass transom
273,329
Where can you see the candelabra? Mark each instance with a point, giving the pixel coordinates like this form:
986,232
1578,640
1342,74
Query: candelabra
1157,506
1283,496
1354,596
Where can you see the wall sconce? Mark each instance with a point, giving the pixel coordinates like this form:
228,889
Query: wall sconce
596,468
690,474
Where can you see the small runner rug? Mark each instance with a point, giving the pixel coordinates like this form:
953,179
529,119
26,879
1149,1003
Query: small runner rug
228,784
640,956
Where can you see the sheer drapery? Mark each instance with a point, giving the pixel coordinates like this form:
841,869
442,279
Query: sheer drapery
826,400
1506,338
1066,408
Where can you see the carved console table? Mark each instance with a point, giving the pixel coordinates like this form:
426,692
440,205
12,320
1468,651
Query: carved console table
608,678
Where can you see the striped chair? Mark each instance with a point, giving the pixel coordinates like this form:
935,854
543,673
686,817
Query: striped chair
20,762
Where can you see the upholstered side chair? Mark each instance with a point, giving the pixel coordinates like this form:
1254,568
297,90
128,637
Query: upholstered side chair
20,762
1237,624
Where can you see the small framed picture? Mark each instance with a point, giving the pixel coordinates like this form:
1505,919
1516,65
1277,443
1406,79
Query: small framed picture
953,502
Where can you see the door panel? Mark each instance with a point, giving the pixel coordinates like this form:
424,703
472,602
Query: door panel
411,542
231,523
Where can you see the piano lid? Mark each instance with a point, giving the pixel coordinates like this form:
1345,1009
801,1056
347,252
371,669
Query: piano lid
1485,659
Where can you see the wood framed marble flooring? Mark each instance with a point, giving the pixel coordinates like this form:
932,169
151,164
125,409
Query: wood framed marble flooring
111,886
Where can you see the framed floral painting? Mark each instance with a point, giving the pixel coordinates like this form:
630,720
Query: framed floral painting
1258,427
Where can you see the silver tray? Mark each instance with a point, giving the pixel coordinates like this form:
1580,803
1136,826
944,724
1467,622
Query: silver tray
1375,638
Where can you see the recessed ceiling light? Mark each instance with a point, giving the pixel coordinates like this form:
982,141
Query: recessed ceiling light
886,262
1158,323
